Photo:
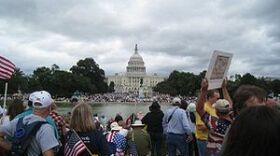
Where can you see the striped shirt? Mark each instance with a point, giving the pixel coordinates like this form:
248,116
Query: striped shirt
217,129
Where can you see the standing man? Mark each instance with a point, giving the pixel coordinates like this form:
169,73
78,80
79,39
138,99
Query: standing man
44,141
217,126
201,133
153,120
29,110
177,128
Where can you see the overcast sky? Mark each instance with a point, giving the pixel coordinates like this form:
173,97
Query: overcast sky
171,34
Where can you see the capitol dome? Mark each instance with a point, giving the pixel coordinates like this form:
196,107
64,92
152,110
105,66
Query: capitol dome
136,64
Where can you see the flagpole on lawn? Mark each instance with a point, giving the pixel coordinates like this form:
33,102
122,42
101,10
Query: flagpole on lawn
5,99
5,94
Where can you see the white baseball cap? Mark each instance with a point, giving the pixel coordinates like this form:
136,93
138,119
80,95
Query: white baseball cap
42,97
176,100
31,96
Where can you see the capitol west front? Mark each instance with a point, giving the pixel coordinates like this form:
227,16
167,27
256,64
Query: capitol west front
130,81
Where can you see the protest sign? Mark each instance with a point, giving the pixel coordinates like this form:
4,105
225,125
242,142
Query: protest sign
218,68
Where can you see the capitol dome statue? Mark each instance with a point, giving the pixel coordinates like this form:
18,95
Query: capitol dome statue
135,77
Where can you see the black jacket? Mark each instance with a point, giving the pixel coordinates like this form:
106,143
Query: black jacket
153,120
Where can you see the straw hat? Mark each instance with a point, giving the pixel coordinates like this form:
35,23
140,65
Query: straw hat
138,123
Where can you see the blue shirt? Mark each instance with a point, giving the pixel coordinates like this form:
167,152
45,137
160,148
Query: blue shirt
178,124
48,119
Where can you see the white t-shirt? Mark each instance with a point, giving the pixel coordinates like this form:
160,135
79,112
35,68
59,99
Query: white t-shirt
4,120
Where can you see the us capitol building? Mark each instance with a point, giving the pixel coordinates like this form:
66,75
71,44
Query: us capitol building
135,80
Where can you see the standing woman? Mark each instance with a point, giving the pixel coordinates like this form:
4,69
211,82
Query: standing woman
153,120
82,124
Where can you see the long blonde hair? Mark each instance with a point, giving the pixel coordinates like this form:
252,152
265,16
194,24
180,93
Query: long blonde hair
82,118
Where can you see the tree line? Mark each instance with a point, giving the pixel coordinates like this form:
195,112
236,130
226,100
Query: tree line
188,84
87,77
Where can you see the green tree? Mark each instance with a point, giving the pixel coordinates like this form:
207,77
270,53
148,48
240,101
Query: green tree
54,68
42,77
88,68
65,83
179,83
248,79
275,86
18,82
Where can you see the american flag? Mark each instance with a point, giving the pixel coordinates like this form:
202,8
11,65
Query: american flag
74,146
7,68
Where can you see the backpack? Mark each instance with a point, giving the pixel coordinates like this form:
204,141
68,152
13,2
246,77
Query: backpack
23,136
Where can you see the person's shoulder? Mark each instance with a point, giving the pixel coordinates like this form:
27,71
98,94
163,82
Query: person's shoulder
46,126
96,132
181,111
93,133
23,114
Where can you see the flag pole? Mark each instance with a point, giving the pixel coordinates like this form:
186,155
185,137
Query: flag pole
5,94
5,99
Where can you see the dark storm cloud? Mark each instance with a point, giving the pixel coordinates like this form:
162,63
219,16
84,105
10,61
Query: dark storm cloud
182,33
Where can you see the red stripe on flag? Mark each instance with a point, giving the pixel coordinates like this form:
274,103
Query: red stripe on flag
6,62
7,68
6,71
2,77
79,148
5,74
3,66
3,58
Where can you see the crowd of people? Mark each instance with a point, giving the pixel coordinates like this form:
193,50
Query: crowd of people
113,98
214,124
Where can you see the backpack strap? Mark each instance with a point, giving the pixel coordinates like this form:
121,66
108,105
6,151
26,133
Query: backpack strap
169,118
23,136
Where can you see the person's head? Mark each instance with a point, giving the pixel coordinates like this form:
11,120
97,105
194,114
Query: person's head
246,96
222,107
81,118
176,101
114,126
137,124
184,104
213,96
15,108
154,107
42,102
31,98
119,120
254,132
191,107
74,101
